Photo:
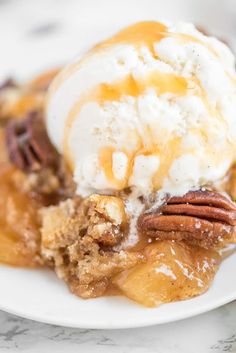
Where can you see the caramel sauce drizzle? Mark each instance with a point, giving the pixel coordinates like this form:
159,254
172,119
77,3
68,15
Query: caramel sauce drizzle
140,34
161,82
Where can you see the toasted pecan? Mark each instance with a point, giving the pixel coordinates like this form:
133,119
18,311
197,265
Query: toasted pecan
28,145
205,218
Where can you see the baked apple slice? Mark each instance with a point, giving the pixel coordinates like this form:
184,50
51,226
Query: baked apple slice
173,271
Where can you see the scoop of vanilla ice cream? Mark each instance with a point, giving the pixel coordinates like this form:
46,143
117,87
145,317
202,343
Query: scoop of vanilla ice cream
152,108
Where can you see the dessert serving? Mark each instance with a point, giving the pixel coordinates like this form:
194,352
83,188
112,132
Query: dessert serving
118,171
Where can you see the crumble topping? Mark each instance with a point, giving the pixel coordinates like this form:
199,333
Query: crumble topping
79,236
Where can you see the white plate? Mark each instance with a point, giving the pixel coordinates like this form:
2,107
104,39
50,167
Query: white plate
40,296
26,49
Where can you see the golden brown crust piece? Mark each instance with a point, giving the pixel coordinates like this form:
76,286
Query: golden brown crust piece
79,238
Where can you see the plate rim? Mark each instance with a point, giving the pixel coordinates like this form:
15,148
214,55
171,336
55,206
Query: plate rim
110,325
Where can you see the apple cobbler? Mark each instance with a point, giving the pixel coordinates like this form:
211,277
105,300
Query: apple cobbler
105,203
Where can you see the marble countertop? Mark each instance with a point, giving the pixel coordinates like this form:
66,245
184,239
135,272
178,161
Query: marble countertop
214,332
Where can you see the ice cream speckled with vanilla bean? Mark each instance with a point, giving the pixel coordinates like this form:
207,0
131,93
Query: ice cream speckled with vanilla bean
151,109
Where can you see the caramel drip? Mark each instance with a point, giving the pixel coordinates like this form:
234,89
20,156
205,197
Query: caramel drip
161,82
167,156
139,34
147,34
105,159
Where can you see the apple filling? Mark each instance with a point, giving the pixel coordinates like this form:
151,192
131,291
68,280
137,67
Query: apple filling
44,223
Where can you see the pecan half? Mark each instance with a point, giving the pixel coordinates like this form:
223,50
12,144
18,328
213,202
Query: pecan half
205,218
28,145
9,83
